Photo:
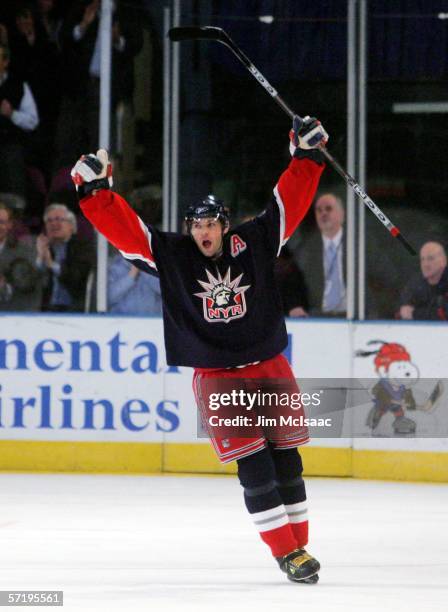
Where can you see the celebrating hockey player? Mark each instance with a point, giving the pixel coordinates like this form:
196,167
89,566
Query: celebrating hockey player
223,316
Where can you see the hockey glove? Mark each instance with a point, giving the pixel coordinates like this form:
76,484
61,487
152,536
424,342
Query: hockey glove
306,138
92,172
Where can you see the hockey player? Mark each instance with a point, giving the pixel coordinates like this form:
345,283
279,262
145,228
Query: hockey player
223,317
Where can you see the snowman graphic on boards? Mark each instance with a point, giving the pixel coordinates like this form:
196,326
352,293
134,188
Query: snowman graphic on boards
393,392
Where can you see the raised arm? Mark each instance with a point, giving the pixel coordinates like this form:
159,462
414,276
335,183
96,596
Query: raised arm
294,194
108,212
295,190
297,186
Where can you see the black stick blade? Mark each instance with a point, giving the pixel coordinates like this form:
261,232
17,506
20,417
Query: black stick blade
406,244
196,33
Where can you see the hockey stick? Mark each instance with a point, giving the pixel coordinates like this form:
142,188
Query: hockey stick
433,398
219,35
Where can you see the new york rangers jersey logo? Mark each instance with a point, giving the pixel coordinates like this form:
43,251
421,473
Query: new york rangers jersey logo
223,299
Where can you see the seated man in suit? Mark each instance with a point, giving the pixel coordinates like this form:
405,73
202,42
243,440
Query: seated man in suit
321,257
64,260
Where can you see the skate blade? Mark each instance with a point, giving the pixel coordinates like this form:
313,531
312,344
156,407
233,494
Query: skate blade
309,580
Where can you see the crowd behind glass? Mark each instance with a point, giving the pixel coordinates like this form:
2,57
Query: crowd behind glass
49,100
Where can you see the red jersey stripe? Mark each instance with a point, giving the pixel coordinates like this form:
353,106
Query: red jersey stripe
121,225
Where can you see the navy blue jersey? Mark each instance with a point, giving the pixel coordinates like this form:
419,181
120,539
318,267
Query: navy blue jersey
221,312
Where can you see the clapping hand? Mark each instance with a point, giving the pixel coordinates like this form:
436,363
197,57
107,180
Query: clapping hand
43,250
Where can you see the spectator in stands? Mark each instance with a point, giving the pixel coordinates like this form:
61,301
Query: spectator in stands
322,259
20,287
64,260
18,117
48,19
37,59
80,39
131,292
426,296
291,285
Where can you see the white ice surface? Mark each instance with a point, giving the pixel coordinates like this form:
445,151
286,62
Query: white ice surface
167,543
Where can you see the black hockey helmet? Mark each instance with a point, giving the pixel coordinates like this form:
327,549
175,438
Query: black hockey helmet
209,207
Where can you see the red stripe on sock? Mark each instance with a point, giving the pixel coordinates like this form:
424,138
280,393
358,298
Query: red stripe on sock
281,540
300,531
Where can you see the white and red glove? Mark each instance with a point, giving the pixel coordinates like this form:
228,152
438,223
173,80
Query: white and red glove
307,134
92,172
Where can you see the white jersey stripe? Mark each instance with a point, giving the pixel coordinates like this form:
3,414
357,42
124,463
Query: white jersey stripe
132,256
140,257
147,234
281,209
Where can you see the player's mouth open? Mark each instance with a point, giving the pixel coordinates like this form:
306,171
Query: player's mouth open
206,244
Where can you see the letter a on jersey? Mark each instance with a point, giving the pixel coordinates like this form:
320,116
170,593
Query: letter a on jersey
237,245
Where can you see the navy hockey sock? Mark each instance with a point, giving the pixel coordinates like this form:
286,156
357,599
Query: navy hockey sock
264,503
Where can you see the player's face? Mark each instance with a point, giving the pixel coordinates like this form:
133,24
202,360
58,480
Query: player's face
208,234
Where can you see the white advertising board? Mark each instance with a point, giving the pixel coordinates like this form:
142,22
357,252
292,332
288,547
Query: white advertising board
86,378
94,378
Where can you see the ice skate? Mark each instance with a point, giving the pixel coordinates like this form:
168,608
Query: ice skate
299,566
403,426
